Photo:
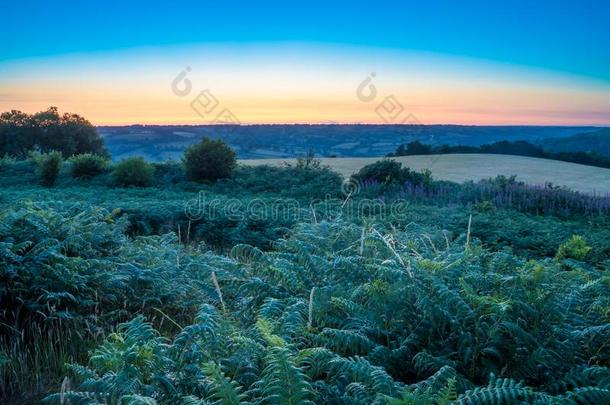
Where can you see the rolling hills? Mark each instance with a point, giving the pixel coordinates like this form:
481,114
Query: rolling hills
598,142
158,142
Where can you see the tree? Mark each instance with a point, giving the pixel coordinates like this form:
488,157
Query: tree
418,148
47,130
209,160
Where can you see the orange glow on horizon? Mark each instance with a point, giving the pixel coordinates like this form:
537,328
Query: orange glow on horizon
313,86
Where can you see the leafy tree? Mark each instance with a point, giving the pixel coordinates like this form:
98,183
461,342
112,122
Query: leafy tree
133,171
47,130
17,134
418,148
209,160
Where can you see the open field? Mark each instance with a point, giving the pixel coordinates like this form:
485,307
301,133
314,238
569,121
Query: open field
464,167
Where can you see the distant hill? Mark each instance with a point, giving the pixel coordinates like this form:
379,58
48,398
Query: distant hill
157,143
598,142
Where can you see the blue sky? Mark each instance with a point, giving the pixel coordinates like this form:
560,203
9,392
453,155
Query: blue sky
571,36
471,62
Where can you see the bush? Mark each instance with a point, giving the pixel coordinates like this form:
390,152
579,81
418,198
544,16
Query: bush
7,160
308,161
209,160
575,248
133,171
388,171
88,165
49,165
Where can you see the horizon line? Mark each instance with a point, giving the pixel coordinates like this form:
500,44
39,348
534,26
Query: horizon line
351,124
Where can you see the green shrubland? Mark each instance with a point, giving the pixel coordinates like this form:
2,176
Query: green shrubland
122,295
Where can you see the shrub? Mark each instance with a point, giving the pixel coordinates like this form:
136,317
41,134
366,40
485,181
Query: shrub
209,160
388,171
49,165
88,165
308,161
133,171
575,248
7,160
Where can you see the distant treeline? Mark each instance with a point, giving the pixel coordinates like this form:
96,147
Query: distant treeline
518,148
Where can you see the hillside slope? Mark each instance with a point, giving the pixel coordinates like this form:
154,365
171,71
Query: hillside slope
598,142
464,167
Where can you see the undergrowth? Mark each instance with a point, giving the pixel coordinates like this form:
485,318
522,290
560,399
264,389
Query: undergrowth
334,312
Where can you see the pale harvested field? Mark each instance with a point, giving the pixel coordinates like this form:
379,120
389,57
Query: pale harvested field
464,167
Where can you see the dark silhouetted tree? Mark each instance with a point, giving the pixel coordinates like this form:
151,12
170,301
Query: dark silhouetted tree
47,130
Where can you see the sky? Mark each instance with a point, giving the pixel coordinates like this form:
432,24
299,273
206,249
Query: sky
466,62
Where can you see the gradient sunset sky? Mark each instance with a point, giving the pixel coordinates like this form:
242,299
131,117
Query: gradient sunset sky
467,62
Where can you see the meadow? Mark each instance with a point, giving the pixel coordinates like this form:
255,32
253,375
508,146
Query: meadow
474,167
197,293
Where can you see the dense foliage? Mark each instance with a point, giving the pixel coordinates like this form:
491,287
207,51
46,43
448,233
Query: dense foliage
518,148
334,313
598,142
390,172
45,131
209,160
111,295
134,171
49,165
490,194
88,165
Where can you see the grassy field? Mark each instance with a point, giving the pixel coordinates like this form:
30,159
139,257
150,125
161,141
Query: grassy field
464,167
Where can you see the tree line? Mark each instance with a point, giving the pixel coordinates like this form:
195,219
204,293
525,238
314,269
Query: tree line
518,148
45,131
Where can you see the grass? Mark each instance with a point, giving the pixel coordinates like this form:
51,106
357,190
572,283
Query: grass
464,167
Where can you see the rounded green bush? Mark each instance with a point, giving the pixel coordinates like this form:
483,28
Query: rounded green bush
87,165
389,171
133,171
49,165
209,160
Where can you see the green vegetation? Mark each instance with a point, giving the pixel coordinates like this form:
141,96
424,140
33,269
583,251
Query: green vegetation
595,142
209,160
47,131
182,292
49,165
388,172
133,171
575,248
517,148
88,165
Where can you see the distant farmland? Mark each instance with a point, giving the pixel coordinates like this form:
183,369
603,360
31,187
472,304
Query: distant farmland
464,167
